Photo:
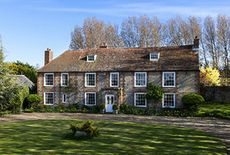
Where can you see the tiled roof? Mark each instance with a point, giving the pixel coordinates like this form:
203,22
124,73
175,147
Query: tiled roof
125,59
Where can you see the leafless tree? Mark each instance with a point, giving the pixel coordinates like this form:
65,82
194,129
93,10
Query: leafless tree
77,39
130,32
210,41
223,36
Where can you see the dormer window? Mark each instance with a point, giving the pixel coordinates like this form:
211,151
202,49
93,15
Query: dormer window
91,58
154,56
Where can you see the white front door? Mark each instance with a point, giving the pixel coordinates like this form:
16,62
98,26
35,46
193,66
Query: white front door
109,101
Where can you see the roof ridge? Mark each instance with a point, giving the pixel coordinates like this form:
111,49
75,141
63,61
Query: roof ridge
134,48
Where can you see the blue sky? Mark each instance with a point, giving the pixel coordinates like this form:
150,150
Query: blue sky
28,27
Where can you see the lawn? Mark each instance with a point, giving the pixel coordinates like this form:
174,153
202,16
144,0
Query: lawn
49,137
215,110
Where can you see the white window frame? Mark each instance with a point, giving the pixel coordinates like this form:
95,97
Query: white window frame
174,100
64,98
86,98
158,56
135,85
45,79
95,78
163,79
45,98
67,79
143,106
117,73
94,58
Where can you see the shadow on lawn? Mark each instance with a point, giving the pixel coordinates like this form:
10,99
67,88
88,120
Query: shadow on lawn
45,137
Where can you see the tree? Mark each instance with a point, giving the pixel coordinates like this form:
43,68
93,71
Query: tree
11,94
209,76
210,41
95,33
77,39
20,68
223,39
130,32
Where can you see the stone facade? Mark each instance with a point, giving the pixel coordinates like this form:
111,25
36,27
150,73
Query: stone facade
186,81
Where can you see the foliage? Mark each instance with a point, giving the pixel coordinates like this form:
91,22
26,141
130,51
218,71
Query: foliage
26,69
115,107
72,108
154,93
209,76
191,101
116,137
218,110
32,99
87,127
11,95
176,112
128,109
20,68
102,106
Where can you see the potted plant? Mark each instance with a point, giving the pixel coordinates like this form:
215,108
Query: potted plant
115,108
102,108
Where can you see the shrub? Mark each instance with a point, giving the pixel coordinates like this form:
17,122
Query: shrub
17,98
192,101
32,99
90,109
59,108
178,112
209,76
87,129
154,93
115,107
124,108
102,106
28,110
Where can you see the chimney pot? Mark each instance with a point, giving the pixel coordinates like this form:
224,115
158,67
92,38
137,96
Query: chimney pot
48,56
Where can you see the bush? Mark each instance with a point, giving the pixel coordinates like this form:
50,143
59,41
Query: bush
32,99
28,110
17,99
81,130
192,101
90,109
154,93
102,106
115,107
128,109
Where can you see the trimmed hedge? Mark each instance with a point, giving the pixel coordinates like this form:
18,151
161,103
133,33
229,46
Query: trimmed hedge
192,101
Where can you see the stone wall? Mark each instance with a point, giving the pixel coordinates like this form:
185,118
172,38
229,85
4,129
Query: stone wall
185,82
216,94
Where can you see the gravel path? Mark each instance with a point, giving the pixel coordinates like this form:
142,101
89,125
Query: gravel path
217,127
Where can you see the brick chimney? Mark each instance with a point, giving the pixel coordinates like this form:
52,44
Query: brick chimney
196,43
48,56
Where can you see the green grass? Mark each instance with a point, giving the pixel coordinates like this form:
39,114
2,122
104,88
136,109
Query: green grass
215,110
49,137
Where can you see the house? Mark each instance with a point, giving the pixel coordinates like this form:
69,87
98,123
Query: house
119,75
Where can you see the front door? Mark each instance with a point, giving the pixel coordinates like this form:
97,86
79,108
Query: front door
109,101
